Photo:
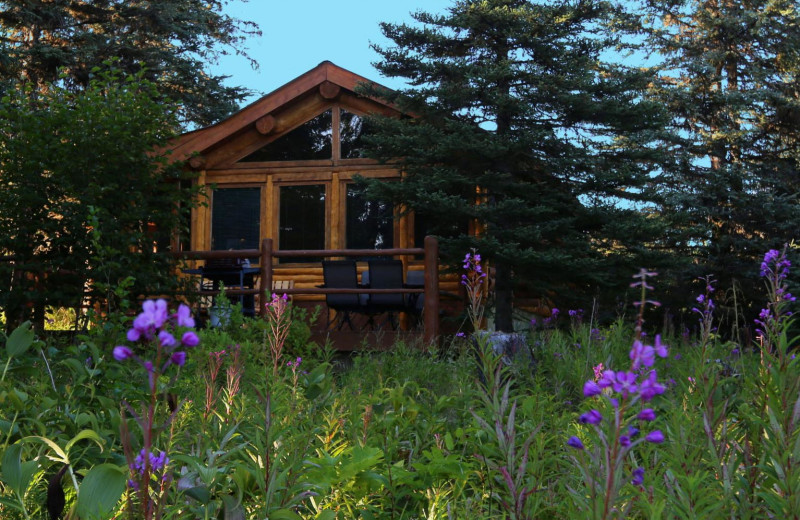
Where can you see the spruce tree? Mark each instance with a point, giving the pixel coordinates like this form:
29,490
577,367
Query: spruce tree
730,80
173,41
522,130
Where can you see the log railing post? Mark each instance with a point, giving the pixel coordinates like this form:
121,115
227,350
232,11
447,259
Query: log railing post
431,308
265,281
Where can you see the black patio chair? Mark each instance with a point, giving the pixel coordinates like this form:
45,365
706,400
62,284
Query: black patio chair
386,274
415,302
341,274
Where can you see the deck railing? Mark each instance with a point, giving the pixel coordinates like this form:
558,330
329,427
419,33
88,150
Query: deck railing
267,252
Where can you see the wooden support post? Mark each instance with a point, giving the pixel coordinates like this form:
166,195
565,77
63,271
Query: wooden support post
265,284
431,309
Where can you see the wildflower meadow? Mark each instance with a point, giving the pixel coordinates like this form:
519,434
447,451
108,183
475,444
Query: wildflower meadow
151,417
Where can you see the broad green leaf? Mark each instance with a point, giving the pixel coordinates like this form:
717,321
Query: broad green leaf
326,514
11,470
199,493
85,434
17,474
234,510
100,491
284,514
19,340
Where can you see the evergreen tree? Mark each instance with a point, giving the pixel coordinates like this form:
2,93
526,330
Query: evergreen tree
521,128
730,81
172,40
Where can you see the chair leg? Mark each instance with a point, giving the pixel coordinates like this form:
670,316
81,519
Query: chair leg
341,318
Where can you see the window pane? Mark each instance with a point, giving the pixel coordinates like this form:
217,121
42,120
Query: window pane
309,141
352,128
370,224
302,219
236,218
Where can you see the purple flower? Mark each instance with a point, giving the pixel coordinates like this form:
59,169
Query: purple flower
641,354
769,258
590,389
148,459
608,379
575,442
122,353
650,387
153,316
633,431
638,476
591,417
625,383
624,440
648,414
655,436
134,335
166,339
184,316
660,348
190,339
148,365
460,335
178,357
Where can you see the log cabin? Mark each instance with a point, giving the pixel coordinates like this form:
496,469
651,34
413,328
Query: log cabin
283,168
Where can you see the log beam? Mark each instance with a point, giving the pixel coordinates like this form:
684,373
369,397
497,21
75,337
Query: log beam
329,90
266,124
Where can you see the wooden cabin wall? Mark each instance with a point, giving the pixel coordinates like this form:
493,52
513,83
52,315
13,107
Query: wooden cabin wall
270,177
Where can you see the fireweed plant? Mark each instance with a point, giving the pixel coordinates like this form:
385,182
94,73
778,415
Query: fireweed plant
280,320
473,279
617,423
771,319
705,310
779,414
165,336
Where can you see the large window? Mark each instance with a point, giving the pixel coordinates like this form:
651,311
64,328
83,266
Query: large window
236,218
369,224
302,219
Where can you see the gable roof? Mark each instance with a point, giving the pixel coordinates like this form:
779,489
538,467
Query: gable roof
326,83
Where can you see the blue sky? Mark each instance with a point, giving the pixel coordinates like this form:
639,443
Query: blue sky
298,35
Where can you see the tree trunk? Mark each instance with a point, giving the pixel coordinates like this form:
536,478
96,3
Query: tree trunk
504,295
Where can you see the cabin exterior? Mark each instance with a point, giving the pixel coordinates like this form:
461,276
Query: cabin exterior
283,168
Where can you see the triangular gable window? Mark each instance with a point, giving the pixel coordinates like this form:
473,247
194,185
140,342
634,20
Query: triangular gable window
352,128
309,141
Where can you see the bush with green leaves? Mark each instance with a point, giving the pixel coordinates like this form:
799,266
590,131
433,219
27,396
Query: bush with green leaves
86,194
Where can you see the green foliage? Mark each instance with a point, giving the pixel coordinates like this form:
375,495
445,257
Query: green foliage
83,192
172,41
523,127
403,434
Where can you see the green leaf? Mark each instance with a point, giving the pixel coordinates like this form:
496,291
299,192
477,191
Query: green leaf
61,455
19,340
234,510
85,434
199,493
326,514
286,514
100,491
11,470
